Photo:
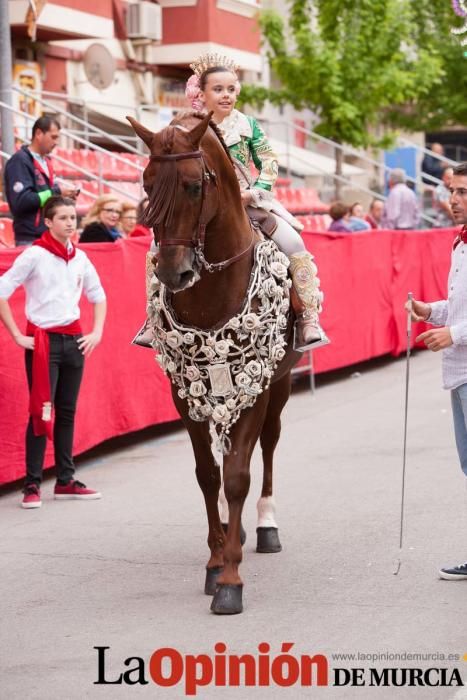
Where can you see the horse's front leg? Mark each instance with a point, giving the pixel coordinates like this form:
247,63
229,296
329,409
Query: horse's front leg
244,435
209,479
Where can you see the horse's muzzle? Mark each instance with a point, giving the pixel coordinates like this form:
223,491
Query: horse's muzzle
175,269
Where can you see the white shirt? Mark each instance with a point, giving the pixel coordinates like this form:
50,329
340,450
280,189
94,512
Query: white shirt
53,287
452,312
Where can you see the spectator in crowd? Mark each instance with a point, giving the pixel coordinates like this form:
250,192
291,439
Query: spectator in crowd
375,214
54,274
433,165
29,181
441,200
101,223
140,229
356,220
128,219
450,315
401,210
340,214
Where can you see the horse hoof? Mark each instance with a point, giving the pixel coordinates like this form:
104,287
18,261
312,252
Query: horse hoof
242,532
268,541
212,575
228,599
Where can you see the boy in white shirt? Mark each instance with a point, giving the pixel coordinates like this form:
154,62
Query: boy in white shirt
54,274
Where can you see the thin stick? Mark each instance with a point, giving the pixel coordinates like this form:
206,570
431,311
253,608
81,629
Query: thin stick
404,457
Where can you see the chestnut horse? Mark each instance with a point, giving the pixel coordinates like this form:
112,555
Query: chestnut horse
205,258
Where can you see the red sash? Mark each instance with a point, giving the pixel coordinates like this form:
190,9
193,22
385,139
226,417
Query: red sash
40,402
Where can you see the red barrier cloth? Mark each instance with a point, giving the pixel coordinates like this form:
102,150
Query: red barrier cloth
365,276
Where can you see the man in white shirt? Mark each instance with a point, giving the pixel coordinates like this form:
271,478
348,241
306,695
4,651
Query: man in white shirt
450,315
54,274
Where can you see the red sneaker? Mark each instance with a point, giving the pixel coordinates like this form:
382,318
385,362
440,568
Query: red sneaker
75,490
32,497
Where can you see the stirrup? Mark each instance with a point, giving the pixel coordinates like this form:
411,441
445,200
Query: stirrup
144,337
299,343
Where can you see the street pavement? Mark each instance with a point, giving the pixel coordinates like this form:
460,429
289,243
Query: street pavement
127,572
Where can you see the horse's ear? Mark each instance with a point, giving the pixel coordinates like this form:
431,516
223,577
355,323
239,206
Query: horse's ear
141,131
197,133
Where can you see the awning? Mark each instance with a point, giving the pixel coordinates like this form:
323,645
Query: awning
301,161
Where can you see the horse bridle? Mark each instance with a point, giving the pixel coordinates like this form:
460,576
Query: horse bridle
198,239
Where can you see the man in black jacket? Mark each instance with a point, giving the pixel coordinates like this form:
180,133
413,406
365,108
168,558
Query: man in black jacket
29,181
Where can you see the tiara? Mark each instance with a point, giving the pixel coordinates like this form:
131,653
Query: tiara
212,60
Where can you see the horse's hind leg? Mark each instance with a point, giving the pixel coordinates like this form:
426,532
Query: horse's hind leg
209,480
267,531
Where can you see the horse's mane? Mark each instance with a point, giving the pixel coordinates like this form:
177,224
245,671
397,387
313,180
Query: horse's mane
161,205
181,116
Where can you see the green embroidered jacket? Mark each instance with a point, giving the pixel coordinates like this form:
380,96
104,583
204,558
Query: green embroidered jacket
247,142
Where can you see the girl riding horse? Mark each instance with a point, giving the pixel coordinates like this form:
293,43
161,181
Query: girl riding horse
214,87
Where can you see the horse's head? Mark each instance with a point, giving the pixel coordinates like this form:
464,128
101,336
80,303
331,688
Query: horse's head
183,199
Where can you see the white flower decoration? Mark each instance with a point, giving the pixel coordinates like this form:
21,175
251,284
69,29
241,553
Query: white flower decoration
197,389
253,368
192,373
269,287
220,414
242,379
182,393
251,322
222,347
174,339
171,366
231,404
279,270
285,306
189,338
277,353
208,352
282,321
234,324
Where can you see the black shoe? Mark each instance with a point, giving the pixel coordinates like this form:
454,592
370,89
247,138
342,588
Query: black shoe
457,573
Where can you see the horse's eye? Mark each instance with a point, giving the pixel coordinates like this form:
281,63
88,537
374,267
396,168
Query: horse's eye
192,188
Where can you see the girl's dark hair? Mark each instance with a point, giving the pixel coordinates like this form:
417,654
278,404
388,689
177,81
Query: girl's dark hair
203,78
56,201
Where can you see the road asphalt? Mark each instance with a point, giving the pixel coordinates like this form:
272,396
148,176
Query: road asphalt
127,572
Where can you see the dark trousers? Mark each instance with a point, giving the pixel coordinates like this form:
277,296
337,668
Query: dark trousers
66,365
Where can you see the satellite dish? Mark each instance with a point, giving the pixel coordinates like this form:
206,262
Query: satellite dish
99,66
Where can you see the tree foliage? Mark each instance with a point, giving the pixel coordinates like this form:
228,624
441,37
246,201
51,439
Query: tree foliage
363,63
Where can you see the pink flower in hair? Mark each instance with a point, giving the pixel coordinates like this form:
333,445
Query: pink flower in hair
192,91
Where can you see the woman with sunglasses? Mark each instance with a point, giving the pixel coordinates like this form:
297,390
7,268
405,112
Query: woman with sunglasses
101,223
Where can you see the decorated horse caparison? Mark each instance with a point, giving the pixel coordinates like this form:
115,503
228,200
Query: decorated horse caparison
220,306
